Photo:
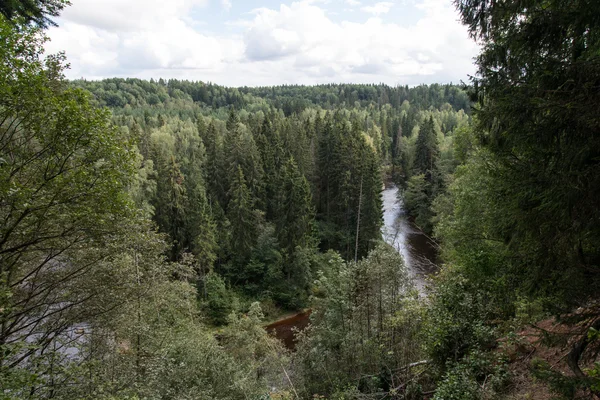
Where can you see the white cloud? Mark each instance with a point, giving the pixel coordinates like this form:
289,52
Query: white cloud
295,43
320,50
127,15
226,4
101,38
353,3
378,8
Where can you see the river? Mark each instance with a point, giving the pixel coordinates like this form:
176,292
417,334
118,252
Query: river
417,249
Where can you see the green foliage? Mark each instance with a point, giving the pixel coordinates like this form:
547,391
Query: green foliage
296,224
243,217
349,188
364,325
541,137
458,384
89,308
565,387
426,151
290,99
220,301
246,187
33,11
457,319
512,220
594,374
479,376
66,214
328,195
416,200
333,151
247,342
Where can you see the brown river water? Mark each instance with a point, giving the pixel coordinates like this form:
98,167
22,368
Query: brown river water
417,249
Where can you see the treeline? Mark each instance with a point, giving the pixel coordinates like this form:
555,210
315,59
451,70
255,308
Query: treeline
291,99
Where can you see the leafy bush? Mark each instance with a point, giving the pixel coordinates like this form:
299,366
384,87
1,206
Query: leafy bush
458,384
457,319
219,300
480,375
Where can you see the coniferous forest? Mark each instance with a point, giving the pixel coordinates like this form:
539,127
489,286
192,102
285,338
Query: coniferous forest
151,230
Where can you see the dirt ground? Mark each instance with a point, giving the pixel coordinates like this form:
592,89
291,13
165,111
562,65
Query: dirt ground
548,341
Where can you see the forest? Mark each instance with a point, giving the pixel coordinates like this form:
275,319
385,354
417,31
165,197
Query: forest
151,230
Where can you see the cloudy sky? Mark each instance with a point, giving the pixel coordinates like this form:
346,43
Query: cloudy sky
266,42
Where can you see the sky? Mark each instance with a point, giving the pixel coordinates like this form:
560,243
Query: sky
266,42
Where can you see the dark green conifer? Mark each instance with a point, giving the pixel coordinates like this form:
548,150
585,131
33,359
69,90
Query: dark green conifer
242,217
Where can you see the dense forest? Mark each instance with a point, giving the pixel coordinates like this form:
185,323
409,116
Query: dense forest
151,229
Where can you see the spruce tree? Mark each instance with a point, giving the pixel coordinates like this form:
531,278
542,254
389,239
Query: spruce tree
214,169
271,151
371,204
170,205
326,144
242,218
426,152
233,120
295,216
241,151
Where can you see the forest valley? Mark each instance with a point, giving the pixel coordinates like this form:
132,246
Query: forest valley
151,229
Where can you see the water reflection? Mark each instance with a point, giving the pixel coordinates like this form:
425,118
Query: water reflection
418,251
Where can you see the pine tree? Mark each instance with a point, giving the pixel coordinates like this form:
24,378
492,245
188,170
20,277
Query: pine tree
400,159
539,73
407,124
200,228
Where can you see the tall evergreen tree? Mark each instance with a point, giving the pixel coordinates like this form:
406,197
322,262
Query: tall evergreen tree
215,168
371,214
233,120
242,217
326,145
170,205
295,215
427,151
271,151
241,151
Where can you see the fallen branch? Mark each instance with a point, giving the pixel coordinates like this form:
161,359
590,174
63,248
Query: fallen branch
415,364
